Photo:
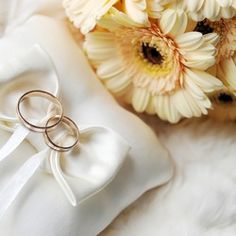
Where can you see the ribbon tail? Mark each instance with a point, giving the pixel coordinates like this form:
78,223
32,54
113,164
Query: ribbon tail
14,141
58,174
13,188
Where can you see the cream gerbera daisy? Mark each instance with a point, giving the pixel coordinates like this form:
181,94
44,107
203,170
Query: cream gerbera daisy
226,57
226,29
210,9
225,70
157,72
85,13
225,67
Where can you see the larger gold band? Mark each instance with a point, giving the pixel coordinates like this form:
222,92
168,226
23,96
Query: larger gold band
36,126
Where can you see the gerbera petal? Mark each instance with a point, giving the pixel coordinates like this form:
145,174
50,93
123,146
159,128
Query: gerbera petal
99,46
227,72
180,24
211,9
136,9
99,38
193,88
224,3
84,13
194,5
200,58
227,12
211,38
151,109
200,61
119,83
154,8
189,41
161,106
168,20
181,103
234,4
140,99
196,16
174,115
166,110
110,68
205,81
115,19
188,106
199,106
97,54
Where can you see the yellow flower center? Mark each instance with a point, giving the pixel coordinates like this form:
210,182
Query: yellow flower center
153,56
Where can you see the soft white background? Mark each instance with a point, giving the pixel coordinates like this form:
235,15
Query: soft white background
201,198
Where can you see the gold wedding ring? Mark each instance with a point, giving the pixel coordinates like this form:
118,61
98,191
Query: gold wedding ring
35,126
52,122
72,130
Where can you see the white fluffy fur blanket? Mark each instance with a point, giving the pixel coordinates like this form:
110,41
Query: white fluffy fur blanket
201,198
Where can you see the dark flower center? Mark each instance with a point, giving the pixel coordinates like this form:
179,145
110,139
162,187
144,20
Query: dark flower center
203,27
225,98
152,54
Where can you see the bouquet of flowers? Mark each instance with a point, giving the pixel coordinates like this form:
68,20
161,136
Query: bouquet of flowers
172,58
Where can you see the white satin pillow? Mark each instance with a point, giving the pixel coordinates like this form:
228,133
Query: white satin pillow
40,208
91,166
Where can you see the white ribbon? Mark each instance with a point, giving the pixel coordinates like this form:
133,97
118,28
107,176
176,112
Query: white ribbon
58,174
12,189
14,141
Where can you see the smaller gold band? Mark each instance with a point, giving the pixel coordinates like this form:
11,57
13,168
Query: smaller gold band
74,130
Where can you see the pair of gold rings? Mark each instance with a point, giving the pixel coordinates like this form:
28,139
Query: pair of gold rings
53,118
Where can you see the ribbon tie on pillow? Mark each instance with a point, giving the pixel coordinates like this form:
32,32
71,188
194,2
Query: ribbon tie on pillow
92,166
